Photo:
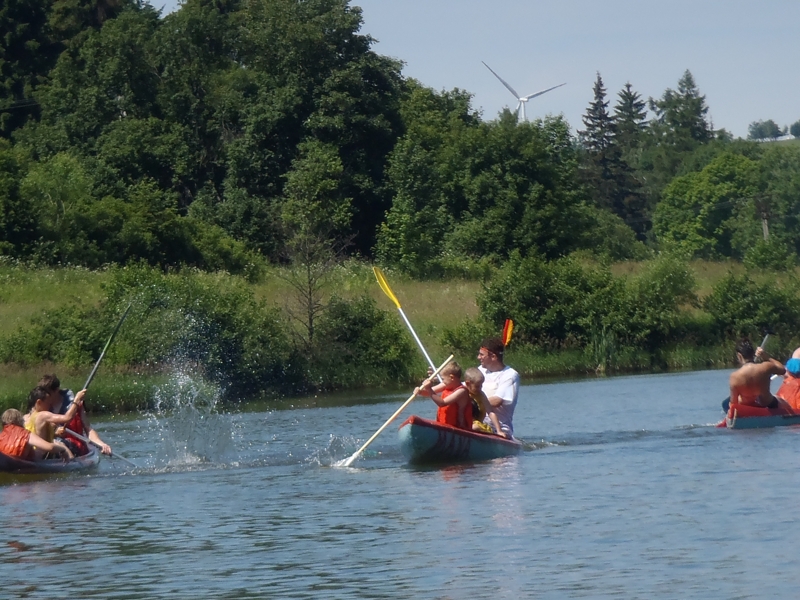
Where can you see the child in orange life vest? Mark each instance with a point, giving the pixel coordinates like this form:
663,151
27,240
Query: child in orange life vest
452,398
481,408
18,442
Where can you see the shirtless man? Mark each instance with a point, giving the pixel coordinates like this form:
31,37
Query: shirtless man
750,383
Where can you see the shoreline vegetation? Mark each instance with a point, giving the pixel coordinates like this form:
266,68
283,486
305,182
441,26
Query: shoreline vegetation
232,169
243,337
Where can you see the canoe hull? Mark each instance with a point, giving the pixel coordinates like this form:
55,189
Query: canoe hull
9,464
425,441
762,422
755,417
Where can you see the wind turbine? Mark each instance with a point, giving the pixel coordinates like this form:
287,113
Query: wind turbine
523,100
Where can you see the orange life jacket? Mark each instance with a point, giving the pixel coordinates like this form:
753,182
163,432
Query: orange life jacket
14,442
449,414
790,391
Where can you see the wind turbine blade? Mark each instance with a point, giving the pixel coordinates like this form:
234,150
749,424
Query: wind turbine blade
510,89
544,91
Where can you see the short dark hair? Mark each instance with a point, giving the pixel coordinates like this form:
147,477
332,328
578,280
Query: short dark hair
49,382
37,393
494,345
745,348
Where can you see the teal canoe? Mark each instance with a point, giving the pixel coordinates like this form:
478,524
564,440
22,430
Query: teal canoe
10,464
424,441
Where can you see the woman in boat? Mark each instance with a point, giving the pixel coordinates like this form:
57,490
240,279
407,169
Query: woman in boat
18,442
452,398
40,419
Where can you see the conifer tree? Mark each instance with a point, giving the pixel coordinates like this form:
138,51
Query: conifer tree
608,175
681,115
629,116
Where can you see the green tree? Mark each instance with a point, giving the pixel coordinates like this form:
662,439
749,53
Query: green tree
763,130
681,115
795,129
694,215
27,54
630,114
608,176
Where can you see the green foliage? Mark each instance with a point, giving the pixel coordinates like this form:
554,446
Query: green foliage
693,216
770,254
566,303
741,306
794,129
764,130
358,344
210,323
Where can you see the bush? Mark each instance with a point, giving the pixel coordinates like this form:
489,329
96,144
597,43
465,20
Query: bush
209,322
358,343
770,254
565,303
741,306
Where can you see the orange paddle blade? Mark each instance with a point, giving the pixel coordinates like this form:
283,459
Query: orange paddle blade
508,329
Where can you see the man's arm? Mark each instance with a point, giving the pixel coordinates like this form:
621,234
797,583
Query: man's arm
769,365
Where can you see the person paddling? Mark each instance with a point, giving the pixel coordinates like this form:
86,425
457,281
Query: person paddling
501,383
61,401
749,384
452,398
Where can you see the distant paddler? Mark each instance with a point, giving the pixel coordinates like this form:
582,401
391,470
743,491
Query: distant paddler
749,384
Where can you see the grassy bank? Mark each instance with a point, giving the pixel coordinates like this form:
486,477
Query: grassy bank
432,307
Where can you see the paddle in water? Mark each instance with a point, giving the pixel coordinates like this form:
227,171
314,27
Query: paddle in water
83,438
356,454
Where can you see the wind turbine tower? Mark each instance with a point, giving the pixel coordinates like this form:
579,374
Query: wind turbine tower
522,100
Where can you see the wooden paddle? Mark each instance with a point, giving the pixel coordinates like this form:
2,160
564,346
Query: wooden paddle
355,455
388,291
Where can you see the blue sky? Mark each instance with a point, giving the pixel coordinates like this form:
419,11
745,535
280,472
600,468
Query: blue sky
742,53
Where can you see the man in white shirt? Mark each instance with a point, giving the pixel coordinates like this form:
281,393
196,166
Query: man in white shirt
501,383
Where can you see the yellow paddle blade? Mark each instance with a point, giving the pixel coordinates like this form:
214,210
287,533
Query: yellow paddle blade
508,329
385,286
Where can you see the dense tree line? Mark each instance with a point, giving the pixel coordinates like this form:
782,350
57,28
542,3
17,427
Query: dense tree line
218,135
234,133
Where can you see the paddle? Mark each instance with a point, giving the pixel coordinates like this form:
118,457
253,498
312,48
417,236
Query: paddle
89,381
108,343
508,329
388,291
96,445
726,404
355,455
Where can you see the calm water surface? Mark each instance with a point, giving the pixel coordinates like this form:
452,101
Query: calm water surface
626,490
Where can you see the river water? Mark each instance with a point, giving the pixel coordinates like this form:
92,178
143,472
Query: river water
626,490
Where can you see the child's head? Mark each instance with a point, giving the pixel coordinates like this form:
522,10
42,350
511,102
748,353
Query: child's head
451,375
13,417
473,380
38,399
